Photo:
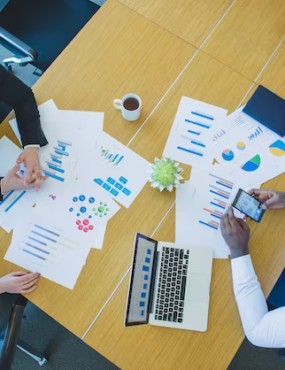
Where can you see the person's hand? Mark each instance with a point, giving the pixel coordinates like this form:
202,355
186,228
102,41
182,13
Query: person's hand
271,199
19,282
236,234
12,181
30,158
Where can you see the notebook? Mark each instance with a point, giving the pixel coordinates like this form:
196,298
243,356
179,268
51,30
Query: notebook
268,109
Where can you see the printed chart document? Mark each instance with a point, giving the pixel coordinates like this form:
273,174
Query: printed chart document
249,152
200,204
82,212
15,203
39,245
47,111
116,169
190,138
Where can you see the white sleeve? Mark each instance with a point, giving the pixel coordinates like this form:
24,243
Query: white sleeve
262,328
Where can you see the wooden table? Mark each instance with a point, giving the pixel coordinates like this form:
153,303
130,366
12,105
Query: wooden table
121,51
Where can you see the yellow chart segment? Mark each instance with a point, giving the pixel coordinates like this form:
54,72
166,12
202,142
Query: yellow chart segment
277,152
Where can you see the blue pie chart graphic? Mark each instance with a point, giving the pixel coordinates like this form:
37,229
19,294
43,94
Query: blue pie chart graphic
228,155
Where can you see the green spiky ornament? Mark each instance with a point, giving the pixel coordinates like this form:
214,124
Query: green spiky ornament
165,174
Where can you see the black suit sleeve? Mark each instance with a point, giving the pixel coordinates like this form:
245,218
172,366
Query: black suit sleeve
16,94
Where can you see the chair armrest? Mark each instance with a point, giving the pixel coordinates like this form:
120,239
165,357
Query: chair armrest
16,45
12,333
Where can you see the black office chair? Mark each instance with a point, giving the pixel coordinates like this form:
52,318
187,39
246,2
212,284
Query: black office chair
12,307
37,31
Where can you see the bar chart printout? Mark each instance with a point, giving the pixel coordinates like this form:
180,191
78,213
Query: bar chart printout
190,138
200,205
55,163
40,247
219,192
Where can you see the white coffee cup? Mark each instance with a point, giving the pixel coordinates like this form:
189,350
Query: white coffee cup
129,114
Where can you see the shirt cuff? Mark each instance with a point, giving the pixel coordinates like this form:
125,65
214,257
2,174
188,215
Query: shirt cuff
242,268
32,146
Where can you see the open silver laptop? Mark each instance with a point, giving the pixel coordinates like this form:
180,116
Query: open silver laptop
169,285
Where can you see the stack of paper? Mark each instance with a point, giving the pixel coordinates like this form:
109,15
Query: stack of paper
88,170
246,153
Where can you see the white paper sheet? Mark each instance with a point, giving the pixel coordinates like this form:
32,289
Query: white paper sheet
117,170
9,152
83,213
16,205
47,111
190,138
249,152
200,203
39,245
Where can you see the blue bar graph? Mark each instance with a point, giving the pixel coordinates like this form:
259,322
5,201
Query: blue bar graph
198,143
62,152
215,215
35,255
218,205
47,230
56,160
190,151
56,169
43,236
226,186
15,201
7,196
194,132
220,179
50,174
221,195
37,248
204,223
203,115
38,241
204,125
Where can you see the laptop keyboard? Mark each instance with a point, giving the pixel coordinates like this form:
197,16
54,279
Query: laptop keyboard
172,285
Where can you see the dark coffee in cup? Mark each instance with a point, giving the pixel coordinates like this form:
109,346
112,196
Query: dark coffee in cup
131,104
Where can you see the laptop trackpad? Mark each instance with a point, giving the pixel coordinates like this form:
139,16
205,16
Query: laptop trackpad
198,288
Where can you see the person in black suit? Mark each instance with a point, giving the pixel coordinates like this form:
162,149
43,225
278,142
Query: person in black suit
16,94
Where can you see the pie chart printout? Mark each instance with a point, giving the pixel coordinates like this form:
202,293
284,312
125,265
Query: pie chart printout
252,164
277,148
228,155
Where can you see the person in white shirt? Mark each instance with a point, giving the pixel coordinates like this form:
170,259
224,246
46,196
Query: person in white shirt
262,328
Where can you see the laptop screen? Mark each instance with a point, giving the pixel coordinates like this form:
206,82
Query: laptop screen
141,281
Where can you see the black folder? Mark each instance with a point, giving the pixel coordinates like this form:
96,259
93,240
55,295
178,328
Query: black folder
267,108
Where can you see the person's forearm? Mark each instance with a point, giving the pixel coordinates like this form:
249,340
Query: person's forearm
16,94
261,328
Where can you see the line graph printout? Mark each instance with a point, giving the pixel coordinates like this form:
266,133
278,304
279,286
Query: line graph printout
39,246
190,138
200,204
